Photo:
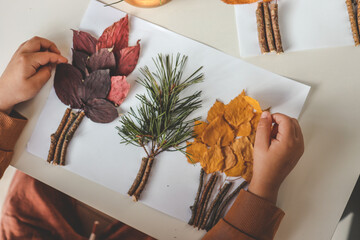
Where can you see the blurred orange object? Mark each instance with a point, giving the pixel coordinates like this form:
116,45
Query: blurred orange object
147,3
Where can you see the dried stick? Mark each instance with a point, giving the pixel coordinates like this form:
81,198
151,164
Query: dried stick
55,136
214,205
203,199
274,12
358,16
69,122
352,19
144,179
139,175
261,28
227,200
268,28
69,135
195,205
203,213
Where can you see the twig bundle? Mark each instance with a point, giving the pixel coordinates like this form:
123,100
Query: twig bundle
353,21
63,135
268,28
204,217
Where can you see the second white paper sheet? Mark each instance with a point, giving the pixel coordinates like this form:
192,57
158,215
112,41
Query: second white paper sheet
95,151
304,25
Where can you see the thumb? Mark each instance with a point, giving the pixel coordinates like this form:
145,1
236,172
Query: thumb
263,132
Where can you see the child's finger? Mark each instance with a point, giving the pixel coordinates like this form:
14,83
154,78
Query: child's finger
41,76
286,128
263,132
42,58
37,44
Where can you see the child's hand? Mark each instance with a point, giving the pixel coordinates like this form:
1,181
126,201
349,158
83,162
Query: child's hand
29,69
277,150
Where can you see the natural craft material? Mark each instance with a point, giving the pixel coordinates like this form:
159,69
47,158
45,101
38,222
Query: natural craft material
195,205
354,27
275,25
203,212
260,21
95,83
358,16
161,121
268,28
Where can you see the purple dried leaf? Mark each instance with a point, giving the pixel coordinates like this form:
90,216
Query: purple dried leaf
97,85
100,111
68,85
117,35
79,60
83,41
103,59
127,59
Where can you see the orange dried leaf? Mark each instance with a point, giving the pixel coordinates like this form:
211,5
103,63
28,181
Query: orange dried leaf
247,175
255,104
213,160
218,130
199,129
196,150
215,111
238,111
244,130
230,159
255,120
238,169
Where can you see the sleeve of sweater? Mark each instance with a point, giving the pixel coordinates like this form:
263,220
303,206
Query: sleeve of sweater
250,218
11,127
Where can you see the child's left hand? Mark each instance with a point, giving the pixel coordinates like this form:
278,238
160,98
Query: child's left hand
27,72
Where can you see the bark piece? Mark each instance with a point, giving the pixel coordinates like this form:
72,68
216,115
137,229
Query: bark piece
69,135
196,202
59,145
139,176
203,213
55,136
144,179
353,24
268,28
261,28
215,204
274,12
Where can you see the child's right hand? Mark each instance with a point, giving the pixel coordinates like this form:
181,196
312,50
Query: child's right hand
27,72
276,152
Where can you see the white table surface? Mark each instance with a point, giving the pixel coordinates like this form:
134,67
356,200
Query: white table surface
316,192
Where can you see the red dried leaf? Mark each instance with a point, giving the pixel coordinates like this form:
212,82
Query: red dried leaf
79,60
83,41
97,85
102,59
127,60
100,111
119,89
68,85
117,35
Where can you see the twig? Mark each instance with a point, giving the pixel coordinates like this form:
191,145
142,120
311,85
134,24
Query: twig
139,176
203,213
195,205
261,28
227,200
69,122
55,136
353,24
268,28
69,135
275,25
144,179
110,4
215,204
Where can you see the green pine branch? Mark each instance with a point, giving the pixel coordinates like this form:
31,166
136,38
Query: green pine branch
162,122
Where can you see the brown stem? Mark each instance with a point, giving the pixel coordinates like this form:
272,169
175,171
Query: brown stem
203,212
195,205
59,144
261,28
215,204
55,136
275,25
144,179
227,200
203,199
69,135
353,24
139,176
358,16
268,28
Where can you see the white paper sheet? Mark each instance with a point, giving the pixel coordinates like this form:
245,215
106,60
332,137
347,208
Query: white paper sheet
95,152
304,25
